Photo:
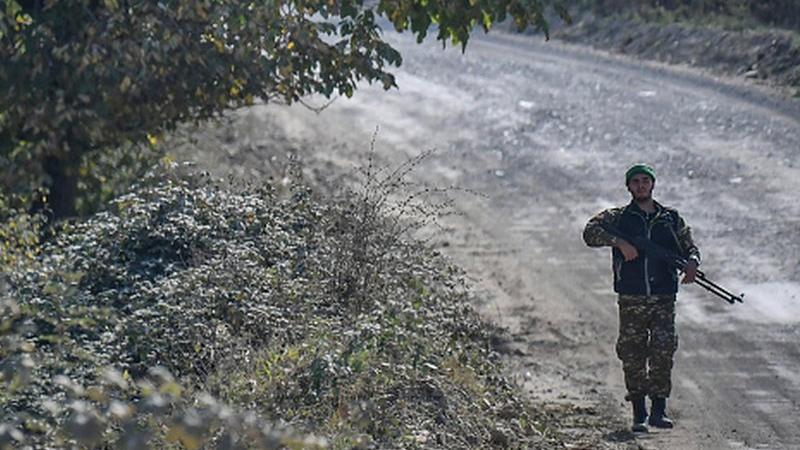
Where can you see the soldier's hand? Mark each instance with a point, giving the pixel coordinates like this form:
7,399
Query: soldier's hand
690,272
628,251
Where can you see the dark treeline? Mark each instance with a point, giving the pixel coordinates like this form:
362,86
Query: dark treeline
781,13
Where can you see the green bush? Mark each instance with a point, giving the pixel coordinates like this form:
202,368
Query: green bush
319,316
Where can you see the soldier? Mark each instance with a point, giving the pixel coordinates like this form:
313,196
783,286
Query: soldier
646,288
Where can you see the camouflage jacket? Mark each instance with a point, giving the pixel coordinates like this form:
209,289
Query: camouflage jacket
643,275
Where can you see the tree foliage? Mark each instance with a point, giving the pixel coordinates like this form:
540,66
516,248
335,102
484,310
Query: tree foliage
85,75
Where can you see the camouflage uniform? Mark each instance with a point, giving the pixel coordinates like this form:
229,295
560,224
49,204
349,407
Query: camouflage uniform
647,342
647,339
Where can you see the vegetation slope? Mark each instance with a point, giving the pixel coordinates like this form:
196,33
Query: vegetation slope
194,313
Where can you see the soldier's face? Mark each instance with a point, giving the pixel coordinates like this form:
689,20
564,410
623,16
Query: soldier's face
641,187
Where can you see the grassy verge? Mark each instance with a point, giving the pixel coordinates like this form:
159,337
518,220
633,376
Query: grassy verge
193,314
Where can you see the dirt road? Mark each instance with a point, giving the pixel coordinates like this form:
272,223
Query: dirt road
544,132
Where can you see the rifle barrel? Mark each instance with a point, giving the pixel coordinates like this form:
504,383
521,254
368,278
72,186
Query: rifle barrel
703,284
714,288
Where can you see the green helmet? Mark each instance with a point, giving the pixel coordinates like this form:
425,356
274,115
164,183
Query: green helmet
637,169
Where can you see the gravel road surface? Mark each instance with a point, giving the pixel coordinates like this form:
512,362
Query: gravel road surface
543,132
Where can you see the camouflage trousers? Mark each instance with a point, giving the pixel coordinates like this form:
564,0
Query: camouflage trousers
646,344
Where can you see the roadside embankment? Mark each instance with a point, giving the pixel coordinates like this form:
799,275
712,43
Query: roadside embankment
202,314
763,55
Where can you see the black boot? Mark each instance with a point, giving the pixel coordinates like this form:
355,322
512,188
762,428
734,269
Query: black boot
658,414
639,415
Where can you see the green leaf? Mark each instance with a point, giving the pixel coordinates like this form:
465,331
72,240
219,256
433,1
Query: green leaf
112,5
12,9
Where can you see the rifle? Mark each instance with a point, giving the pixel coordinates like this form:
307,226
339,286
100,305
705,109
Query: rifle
656,251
